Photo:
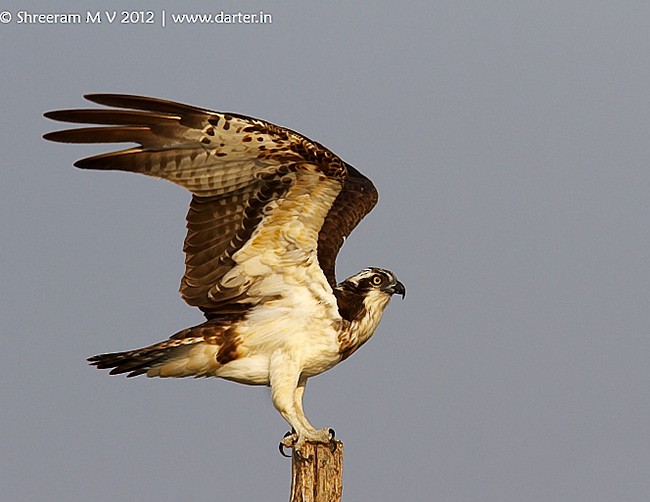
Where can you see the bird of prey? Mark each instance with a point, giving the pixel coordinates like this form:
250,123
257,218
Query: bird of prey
270,210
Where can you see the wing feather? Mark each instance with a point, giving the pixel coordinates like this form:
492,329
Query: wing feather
356,199
263,197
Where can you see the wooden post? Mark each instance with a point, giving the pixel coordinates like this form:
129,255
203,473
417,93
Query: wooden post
317,473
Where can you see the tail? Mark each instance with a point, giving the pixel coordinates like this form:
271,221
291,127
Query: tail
190,356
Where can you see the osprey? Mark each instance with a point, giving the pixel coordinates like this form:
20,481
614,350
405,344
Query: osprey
270,210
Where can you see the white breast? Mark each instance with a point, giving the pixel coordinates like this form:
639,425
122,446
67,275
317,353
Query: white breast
298,317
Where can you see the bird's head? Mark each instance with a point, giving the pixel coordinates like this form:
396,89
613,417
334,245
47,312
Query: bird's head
367,291
375,281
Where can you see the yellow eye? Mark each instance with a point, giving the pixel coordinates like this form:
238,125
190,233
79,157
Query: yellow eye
376,280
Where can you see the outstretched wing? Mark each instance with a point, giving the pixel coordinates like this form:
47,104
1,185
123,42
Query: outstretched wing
264,197
356,199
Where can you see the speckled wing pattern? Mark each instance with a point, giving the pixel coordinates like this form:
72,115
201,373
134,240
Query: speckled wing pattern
263,196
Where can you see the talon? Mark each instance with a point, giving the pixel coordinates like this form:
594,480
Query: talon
281,447
288,441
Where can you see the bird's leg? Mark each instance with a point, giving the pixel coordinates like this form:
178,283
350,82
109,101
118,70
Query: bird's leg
326,434
297,402
287,389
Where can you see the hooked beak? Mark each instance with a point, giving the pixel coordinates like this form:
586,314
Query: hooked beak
397,288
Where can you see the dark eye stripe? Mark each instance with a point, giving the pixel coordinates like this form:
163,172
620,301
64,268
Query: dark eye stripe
370,282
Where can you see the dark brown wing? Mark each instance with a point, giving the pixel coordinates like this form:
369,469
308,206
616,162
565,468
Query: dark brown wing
244,174
356,199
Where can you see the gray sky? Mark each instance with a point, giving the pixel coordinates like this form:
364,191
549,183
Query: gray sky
509,143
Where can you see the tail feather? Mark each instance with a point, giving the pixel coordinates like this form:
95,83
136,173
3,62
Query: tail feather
197,351
150,360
